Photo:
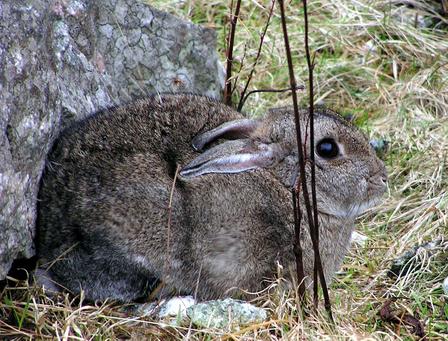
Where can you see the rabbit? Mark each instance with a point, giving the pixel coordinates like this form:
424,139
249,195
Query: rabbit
184,191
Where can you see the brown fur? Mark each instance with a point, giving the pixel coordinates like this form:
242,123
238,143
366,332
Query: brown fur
105,194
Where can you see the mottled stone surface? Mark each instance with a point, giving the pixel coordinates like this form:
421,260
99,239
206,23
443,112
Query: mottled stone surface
60,61
225,314
228,314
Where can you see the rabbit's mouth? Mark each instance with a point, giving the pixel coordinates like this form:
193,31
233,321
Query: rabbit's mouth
376,187
350,211
357,209
368,194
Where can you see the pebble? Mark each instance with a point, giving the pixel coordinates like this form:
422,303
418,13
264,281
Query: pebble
225,314
380,145
359,238
171,311
408,261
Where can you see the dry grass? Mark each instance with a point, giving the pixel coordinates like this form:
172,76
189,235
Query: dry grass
372,62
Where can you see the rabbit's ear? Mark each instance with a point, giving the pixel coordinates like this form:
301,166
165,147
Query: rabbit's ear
234,157
230,130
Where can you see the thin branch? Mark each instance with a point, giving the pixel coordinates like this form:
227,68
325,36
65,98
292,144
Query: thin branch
301,153
230,43
242,99
297,245
313,168
166,265
298,87
318,270
235,80
302,175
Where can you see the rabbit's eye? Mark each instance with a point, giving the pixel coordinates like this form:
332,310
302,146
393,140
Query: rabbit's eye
327,149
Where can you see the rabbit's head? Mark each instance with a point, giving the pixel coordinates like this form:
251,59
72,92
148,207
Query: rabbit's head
349,176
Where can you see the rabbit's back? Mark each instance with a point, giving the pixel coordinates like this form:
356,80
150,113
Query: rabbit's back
124,146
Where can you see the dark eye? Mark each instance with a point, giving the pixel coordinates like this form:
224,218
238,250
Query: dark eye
327,149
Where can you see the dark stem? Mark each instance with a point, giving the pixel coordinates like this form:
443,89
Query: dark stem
313,168
301,153
302,175
241,66
229,54
297,246
298,87
318,270
167,263
242,96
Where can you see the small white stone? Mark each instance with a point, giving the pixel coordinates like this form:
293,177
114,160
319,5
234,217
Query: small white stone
445,286
172,311
359,238
370,47
176,306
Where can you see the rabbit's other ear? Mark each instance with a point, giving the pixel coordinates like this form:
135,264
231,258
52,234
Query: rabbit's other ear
234,157
230,130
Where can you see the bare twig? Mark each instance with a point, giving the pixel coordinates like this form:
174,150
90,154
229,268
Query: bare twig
302,176
313,168
235,80
297,245
298,87
242,96
311,218
229,54
168,233
170,207
318,270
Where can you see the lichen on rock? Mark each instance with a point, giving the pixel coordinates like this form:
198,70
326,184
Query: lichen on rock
225,314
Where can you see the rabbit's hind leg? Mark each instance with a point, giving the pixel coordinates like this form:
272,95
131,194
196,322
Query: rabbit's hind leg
43,279
101,275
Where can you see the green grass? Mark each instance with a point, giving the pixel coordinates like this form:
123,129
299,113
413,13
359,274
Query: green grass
393,77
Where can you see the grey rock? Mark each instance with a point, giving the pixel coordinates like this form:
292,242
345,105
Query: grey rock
412,17
420,14
64,59
380,145
219,314
225,314
409,261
